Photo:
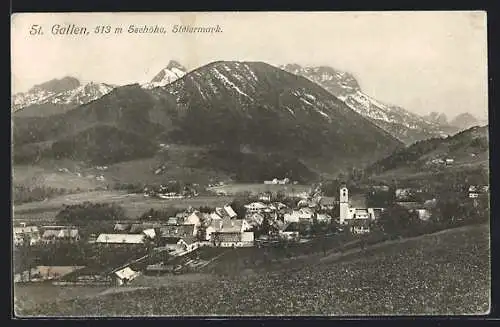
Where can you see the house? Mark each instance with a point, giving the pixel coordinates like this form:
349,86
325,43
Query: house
124,276
403,193
291,217
184,214
291,231
254,219
323,218
359,226
475,191
175,221
226,211
275,181
255,207
122,227
57,234
231,232
266,197
121,239
150,233
449,161
327,202
195,219
421,209
24,233
178,237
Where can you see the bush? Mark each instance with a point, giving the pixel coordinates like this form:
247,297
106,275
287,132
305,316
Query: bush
23,194
165,213
88,211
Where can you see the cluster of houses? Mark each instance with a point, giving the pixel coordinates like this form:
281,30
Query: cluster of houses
475,191
277,181
184,232
166,192
32,235
441,161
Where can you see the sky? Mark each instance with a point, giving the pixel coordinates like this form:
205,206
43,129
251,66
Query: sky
421,61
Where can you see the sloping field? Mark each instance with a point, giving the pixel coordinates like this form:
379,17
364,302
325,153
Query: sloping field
440,274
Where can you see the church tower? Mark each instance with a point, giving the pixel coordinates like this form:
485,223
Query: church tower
344,204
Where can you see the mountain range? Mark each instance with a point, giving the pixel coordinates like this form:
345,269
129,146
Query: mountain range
226,109
400,123
223,116
56,96
468,149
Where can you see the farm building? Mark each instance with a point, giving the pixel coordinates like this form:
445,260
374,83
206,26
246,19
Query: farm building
124,276
29,234
122,227
178,237
57,234
254,219
290,231
255,207
302,215
231,232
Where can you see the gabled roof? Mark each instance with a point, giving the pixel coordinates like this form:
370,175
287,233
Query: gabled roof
126,273
149,232
121,238
227,225
215,216
60,233
122,226
138,228
230,212
291,227
26,229
255,205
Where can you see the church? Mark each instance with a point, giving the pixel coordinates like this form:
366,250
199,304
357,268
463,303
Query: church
357,213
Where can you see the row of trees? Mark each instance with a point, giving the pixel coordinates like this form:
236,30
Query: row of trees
89,211
447,213
23,194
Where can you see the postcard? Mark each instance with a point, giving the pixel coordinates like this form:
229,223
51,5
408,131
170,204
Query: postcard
228,164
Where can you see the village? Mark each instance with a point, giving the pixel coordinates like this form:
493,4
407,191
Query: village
196,237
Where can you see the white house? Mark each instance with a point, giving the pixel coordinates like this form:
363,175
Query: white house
255,207
300,215
194,219
231,233
125,275
24,233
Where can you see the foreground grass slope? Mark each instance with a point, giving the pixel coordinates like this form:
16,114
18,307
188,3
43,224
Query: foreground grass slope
443,273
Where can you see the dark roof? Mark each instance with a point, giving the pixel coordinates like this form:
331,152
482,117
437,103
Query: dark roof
292,227
177,231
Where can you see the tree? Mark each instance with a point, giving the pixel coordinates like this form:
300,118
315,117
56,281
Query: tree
88,211
397,220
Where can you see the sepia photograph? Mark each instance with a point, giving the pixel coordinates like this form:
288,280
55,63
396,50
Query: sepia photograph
239,164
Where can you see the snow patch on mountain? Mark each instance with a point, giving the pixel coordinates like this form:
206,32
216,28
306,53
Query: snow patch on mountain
226,81
77,96
397,121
